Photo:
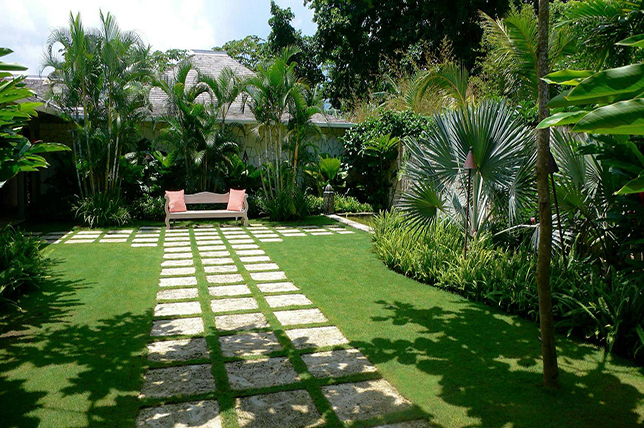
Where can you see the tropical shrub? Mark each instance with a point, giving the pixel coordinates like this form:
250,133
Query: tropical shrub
361,163
21,264
102,209
148,207
606,310
342,204
285,205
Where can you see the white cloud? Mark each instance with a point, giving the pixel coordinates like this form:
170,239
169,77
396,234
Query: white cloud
165,24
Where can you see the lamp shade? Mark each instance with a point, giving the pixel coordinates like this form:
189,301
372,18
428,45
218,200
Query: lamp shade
552,165
469,160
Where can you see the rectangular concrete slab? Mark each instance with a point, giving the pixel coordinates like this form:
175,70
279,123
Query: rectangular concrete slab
209,242
284,300
177,263
268,276
337,363
278,410
239,345
253,373
249,252
181,380
214,253
178,271
178,294
365,400
177,309
240,322
271,240
240,241
217,261
234,304
225,279
177,255
245,246
277,287
220,269
193,414
178,281
300,316
178,350
229,290
177,249
255,259
211,247
178,327
316,337
261,267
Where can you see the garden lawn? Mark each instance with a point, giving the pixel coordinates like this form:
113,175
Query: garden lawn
74,356
463,363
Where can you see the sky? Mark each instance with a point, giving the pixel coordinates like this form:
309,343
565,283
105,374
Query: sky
164,24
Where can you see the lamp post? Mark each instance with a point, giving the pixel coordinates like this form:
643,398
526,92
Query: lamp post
552,168
469,165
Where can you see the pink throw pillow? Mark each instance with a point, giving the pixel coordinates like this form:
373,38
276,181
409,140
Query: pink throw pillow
236,200
177,201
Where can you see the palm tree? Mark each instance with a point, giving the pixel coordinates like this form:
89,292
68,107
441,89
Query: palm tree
512,44
449,82
502,182
302,131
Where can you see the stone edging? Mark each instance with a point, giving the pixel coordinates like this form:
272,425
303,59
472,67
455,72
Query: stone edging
351,223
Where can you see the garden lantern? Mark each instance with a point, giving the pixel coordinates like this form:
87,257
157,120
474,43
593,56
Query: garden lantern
552,168
329,200
469,165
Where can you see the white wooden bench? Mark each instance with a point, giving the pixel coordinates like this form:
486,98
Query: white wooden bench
206,198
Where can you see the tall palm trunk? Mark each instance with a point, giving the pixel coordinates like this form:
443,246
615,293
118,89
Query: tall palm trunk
548,348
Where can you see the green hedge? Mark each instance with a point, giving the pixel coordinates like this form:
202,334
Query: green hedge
342,204
606,310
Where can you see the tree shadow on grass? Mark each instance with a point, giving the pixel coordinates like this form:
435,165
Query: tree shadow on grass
490,365
56,372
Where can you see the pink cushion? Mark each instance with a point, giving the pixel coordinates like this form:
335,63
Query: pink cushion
236,200
177,201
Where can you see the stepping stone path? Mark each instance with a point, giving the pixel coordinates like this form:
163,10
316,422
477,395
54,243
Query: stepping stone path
230,327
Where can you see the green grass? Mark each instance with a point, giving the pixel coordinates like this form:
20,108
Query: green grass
463,363
75,354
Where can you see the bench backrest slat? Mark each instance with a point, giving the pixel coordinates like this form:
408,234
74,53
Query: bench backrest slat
207,198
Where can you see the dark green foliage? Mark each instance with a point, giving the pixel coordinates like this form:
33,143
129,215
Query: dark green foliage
342,204
361,164
249,51
357,37
21,264
285,205
102,209
148,207
605,309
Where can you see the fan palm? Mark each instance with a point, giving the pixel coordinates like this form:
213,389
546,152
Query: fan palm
502,183
449,82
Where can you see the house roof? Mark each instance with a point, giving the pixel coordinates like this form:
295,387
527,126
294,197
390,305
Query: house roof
207,62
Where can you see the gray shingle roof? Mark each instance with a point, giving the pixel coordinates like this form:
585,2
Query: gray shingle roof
207,62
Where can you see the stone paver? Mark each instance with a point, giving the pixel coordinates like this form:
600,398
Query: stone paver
278,410
277,287
178,281
261,373
224,279
268,276
234,304
177,249
217,261
300,316
181,380
245,247
229,290
249,252
178,294
178,308
364,400
177,271
211,247
247,344
261,266
338,363
240,241
214,253
317,337
220,269
176,263
192,414
178,327
178,350
240,322
174,244
177,256
284,300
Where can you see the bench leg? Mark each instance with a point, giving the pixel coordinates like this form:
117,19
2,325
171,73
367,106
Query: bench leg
245,221
167,223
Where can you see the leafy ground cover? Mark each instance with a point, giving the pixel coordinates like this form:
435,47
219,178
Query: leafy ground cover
76,355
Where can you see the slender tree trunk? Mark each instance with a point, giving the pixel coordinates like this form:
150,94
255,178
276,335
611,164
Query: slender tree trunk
548,347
